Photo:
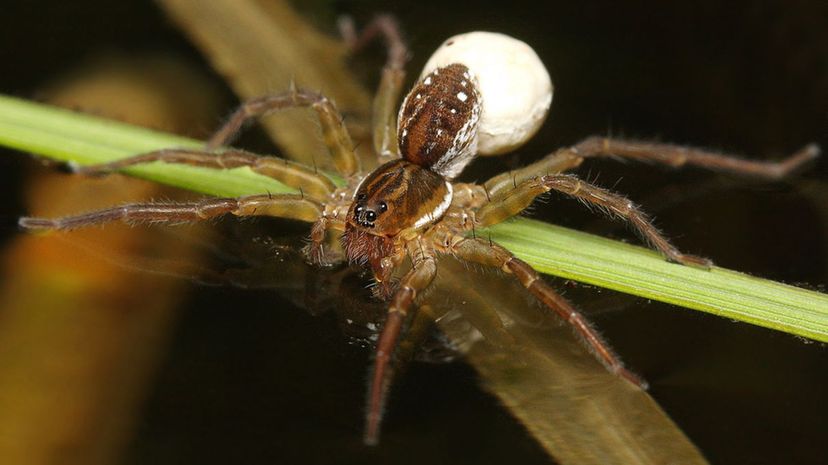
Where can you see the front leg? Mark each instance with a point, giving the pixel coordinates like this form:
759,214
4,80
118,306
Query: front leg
677,155
672,155
415,281
510,203
316,251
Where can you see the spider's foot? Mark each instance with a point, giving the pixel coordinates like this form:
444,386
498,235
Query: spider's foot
34,224
87,170
810,151
693,261
318,255
794,163
347,30
633,378
384,290
801,157
73,167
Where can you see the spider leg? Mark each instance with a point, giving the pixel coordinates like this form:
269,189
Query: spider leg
334,131
423,272
512,203
315,250
387,98
293,174
672,155
556,162
283,206
676,156
490,254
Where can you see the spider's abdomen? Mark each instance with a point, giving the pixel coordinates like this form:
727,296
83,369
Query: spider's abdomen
437,124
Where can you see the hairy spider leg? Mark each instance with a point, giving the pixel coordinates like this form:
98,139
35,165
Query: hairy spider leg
673,155
510,193
491,254
424,268
513,202
295,175
335,134
387,98
290,206
556,162
677,156
315,250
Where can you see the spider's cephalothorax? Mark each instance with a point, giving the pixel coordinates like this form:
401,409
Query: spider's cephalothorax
437,136
397,196
481,92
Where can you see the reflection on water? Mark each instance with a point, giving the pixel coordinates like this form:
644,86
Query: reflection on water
529,359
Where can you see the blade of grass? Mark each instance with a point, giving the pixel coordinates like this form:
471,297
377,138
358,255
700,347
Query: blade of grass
635,270
66,136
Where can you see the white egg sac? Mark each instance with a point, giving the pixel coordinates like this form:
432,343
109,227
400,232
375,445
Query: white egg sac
514,84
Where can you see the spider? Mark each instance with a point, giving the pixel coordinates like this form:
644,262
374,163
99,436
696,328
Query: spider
481,93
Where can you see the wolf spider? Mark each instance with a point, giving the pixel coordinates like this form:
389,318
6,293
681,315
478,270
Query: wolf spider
402,215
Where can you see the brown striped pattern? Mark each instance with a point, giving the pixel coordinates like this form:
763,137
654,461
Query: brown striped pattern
395,196
438,120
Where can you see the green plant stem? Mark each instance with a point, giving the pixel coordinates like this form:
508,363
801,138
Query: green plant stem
66,136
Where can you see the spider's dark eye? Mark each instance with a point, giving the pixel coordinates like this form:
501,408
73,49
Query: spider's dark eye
383,207
360,197
371,216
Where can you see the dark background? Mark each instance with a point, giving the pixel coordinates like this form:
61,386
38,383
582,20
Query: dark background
748,77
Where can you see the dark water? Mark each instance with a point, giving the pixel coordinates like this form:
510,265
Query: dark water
249,378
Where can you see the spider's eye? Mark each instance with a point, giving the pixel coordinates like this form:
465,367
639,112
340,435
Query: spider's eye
371,216
383,207
360,197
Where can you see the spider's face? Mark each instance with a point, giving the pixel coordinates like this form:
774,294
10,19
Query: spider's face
396,196
367,211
